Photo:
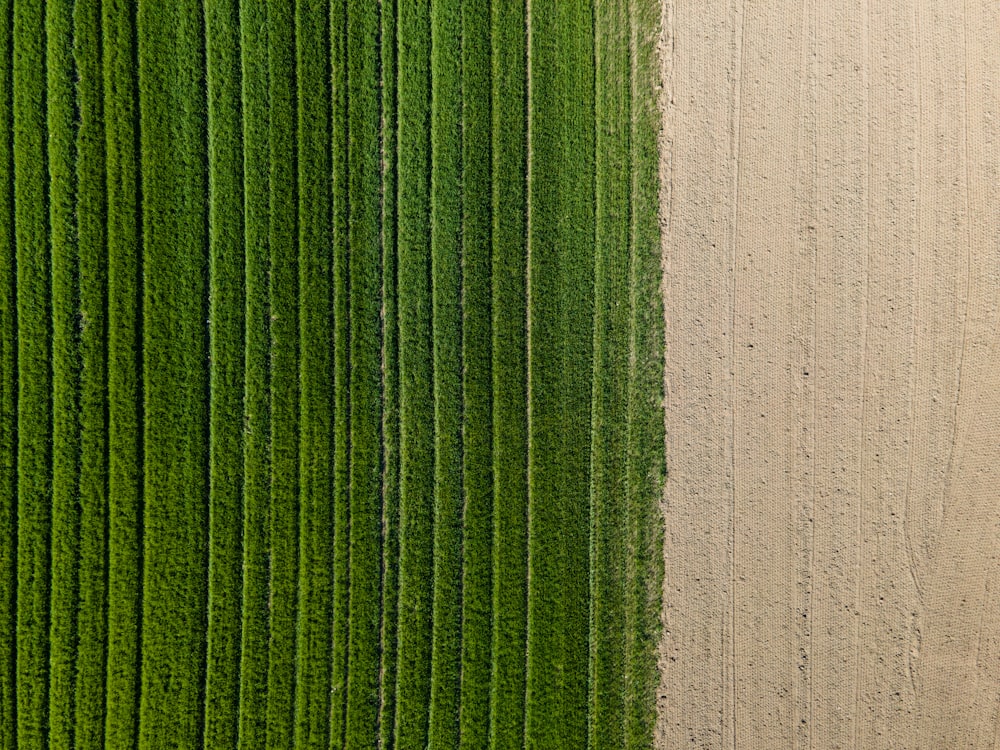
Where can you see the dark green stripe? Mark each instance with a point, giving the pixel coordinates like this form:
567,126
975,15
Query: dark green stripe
510,390
561,232
477,425
283,233
576,242
8,390
340,158
611,358
390,382
446,284
92,217
34,424
544,710
226,311
175,340
256,407
65,539
125,394
316,376
416,552
364,120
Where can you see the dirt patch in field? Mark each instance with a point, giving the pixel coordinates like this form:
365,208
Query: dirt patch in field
831,212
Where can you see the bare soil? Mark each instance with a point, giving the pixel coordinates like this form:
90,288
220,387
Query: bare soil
831,206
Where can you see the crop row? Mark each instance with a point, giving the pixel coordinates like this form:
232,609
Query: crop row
330,374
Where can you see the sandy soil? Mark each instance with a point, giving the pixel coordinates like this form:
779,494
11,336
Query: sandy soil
832,250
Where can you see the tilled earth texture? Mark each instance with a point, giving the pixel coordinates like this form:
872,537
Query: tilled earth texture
831,209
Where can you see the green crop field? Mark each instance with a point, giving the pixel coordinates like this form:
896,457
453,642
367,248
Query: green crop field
331,374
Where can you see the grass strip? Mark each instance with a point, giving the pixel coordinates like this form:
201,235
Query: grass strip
544,718
91,211
609,489
509,373
256,406
416,371
34,377
561,236
316,376
390,381
8,389
226,338
477,427
65,535
576,233
340,162
646,456
284,364
175,341
125,358
365,541
446,285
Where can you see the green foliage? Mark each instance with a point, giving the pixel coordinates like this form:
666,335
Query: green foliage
477,445
226,376
609,487
92,631
284,375
560,294
342,374
65,533
126,403
416,378
446,302
316,379
509,375
365,356
330,374
34,374
176,385
8,391
390,385
646,460
253,668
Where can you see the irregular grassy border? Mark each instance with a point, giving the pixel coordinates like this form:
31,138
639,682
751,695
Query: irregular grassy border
647,456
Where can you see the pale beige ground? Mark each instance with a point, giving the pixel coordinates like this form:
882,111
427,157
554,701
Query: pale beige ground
832,248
